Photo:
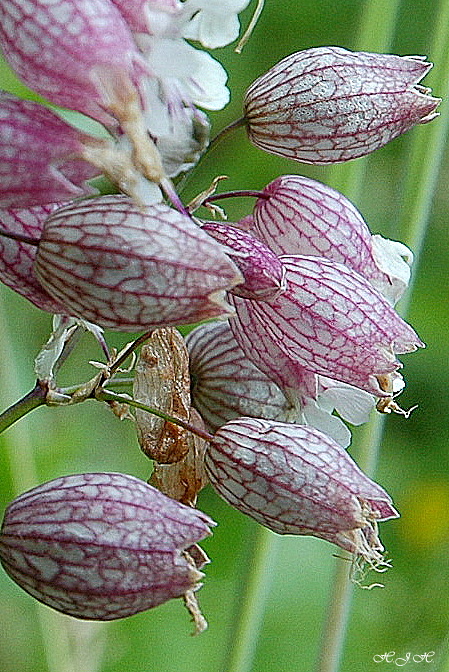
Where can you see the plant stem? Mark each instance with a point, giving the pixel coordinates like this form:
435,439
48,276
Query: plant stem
427,146
375,33
247,34
239,193
127,351
34,398
106,395
224,131
422,177
423,166
17,446
251,603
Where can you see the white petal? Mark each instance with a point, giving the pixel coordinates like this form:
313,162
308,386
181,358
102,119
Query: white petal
181,149
188,74
394,259
216,24
327,423
352,403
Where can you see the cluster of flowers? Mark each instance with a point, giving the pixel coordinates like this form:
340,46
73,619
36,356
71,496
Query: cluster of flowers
304,292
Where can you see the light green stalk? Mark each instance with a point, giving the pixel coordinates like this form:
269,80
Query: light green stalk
423,166
60,635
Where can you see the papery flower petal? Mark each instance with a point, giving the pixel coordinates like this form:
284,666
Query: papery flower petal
77,53
330,321
214,23
295,480
262,271
297,215
182,145
17,258
187,74
40,155
394,260
130,269
101,545
322,419
326,104
351,403
149,16
225,383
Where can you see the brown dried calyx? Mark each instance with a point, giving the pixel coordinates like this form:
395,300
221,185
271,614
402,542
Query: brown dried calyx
162,381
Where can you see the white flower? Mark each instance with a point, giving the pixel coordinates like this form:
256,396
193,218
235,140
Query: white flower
184,78
187,75
394,259
214,23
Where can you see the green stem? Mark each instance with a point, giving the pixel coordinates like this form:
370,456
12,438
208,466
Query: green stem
239,193
427,145
17,446
34,398
225,131
106,395
423,176
376,31
127,351
259,574
375,34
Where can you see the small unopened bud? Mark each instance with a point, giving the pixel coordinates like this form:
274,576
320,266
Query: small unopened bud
326,104
296,480
262,271
102,545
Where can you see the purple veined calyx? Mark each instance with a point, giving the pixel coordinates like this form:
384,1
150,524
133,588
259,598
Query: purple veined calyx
131,269
327,104
296,480
102,546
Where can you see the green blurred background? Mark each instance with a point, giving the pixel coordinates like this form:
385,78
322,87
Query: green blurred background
411,613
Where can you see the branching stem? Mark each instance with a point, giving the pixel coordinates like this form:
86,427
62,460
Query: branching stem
106,395
36,397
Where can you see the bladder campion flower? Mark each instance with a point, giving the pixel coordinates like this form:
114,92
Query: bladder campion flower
101,545
296,480
327,104
127,268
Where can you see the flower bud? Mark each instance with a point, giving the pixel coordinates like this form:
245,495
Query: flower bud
295,480
331,321
297,215
326,104
132,269
101,545
262,271
17,257
40,156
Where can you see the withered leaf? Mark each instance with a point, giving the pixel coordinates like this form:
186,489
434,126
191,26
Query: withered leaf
183,480
162,381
